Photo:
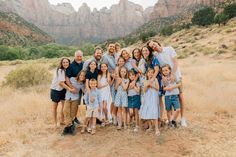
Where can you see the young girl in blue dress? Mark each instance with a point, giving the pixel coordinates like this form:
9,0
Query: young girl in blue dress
150,110
121,98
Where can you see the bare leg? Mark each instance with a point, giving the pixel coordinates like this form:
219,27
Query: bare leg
182,104
124,118
157,132
169,114
119,117
62,114
161,108
176,114
54,113
105,110
136,117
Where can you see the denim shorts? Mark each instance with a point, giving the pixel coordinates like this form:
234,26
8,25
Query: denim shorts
172,100
134,101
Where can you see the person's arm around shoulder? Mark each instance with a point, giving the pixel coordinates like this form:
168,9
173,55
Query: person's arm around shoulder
173,56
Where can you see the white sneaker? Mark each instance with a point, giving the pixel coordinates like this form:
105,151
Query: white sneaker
183,122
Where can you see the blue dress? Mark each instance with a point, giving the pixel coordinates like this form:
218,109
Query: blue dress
154,63
150,109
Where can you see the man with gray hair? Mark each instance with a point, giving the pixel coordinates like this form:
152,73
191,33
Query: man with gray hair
73,70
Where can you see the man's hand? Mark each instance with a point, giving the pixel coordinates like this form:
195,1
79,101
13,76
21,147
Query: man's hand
73,90
172,78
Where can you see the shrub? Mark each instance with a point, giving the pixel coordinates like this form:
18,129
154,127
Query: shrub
87,49
204,16
28,75
166,31
145,36
230,10
221,18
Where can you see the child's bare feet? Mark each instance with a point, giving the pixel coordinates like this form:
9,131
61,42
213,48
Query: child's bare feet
93,131
157,133
83,129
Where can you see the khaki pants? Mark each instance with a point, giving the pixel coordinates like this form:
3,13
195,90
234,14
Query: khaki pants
70,110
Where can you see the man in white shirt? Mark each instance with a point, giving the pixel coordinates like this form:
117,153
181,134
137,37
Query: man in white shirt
167,55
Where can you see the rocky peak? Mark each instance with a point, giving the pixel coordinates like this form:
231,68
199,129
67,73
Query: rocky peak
166,8
65,8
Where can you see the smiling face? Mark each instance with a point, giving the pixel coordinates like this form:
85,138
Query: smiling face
125,54
82,76
121,61
92,65
165,70
137,54
93,83
111,49
131,76
98,54
104,68
145,52
65,63
78,56
155,46
123,72
150,74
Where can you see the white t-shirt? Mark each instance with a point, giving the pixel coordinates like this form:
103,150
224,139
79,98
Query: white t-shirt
166,57
57,78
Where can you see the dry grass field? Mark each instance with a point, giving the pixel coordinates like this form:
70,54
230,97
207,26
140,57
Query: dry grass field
207,60
27,131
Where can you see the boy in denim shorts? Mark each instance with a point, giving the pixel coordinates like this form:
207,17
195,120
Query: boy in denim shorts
171,95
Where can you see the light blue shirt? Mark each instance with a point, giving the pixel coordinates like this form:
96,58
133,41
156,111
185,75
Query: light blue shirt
110,61
129,64
170,84
78,87
97,98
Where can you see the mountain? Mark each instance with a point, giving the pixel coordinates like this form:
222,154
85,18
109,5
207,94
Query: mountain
84,25
167,8
166,13
65,8
14,30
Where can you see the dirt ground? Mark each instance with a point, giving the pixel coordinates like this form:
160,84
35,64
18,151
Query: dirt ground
209,87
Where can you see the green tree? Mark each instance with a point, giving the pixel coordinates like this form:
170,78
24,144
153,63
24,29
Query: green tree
230,10
204,16
221,18
166,31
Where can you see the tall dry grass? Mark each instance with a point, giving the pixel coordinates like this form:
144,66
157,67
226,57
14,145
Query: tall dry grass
209,87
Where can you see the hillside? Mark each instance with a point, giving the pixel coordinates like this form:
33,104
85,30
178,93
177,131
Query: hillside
214,40
14,30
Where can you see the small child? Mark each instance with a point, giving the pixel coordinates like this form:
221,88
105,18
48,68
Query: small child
72,102
134,100
92,107
150,110
121,98
104,80
171,95
120,63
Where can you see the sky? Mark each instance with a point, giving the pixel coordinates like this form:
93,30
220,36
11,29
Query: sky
102,3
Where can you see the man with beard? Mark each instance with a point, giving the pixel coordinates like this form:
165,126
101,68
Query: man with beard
97,56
